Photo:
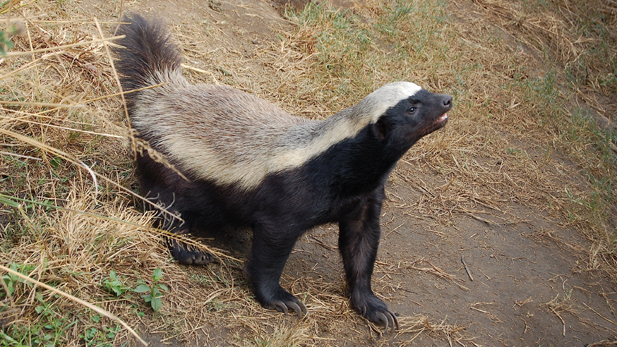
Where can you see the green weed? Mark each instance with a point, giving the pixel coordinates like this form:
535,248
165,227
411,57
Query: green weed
154,291
113,284
11,280
102,337
49,330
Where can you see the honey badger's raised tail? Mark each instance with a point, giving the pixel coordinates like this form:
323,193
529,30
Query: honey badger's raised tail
251,164
148,58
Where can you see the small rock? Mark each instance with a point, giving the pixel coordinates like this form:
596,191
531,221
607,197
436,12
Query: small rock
215,5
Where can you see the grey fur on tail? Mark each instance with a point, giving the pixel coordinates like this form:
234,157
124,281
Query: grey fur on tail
148,55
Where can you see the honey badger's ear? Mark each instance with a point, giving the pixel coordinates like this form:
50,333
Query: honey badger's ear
381,127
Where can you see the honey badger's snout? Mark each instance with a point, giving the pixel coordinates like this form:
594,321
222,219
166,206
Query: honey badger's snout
436,115
445,102
441,103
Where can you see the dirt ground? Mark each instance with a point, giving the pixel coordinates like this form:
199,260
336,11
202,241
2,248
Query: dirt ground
503,274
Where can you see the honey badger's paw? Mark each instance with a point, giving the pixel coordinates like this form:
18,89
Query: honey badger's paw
283,301
180,252
375,310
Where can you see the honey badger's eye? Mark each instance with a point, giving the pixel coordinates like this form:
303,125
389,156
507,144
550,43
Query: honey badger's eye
412,109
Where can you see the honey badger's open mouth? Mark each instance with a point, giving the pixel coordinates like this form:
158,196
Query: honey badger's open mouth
441,121
437,124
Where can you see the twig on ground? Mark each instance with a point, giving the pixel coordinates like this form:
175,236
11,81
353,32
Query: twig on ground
466,268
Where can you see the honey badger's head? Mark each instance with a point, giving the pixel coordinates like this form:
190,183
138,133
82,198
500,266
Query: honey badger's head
405,112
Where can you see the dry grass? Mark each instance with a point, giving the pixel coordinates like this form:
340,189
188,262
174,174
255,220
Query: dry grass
518,135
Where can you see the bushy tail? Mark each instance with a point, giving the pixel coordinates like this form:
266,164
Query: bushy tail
148,55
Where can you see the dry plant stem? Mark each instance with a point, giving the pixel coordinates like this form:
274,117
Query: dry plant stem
123,93
21,54
19,155
69,21
39,104
561,319
113,69
77,300
119,17
67,128
466,268
598,313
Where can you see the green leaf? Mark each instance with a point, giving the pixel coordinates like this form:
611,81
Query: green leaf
156,292
147,298
157,274
91,333
55,162
156,304
10,287
39,309
118,289
142,288
164,287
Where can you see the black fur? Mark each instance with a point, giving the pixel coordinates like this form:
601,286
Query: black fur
343,184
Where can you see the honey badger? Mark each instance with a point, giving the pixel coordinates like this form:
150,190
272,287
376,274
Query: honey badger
249,163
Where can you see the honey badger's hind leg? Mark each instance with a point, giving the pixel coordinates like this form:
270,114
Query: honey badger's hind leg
358,243
180,250
169,204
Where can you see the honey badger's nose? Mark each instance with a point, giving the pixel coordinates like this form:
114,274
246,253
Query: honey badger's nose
446,101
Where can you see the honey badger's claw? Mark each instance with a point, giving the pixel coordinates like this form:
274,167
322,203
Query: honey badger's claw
298,307
395,321
280,306
383,319
181,253
373,309
388,319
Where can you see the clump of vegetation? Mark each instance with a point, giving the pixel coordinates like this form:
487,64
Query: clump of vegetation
113,284
154,290
11,281
5,42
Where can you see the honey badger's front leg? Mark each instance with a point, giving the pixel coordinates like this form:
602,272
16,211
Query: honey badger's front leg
270,250
358,243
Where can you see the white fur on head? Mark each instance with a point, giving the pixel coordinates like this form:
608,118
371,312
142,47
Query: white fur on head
378,102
